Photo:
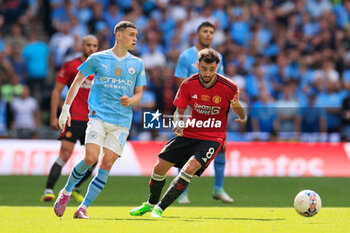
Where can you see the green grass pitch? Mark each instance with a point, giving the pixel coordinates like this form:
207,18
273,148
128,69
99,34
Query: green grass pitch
261,205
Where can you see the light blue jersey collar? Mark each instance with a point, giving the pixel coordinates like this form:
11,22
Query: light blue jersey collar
116,57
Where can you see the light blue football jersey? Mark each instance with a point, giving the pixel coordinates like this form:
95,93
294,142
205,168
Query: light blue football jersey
187,63
114,77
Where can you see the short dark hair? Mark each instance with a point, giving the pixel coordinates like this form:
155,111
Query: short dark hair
205,24
122,25
209,56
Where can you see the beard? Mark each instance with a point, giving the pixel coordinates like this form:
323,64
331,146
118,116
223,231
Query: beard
210,79
87,53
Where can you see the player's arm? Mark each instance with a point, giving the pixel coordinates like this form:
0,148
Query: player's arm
55,102
135,99
181,70
178,116
72,92
179,81
138,90
239,110
181,102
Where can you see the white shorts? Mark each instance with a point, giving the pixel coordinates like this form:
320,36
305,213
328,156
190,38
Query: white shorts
110,136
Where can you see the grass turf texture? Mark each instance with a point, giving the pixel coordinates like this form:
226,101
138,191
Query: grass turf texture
261,205
176,219
131,191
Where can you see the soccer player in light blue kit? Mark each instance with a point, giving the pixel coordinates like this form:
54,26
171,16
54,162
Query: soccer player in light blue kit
118,84
187,66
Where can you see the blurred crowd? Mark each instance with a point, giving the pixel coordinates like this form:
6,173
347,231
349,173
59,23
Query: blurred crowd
290,59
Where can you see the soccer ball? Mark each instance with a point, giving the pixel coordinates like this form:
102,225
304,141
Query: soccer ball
307,203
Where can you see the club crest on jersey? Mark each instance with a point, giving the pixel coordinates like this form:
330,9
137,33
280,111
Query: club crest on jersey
93,134
205,98
216,99
131,70
118,72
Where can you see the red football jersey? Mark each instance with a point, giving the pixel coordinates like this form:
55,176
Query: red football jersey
79,108
210,107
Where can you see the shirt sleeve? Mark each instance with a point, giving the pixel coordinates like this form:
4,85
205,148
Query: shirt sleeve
234,94
88,67
141,77
181,70
181,99
63,74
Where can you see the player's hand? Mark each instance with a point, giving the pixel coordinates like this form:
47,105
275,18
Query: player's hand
178,131
54,123
64,117
242,121
125,100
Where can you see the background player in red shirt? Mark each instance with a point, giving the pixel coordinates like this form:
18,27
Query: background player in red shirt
210,96
79,112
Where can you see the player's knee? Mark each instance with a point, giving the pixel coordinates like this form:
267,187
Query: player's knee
108,161
90,159
107,165
192,166
160,169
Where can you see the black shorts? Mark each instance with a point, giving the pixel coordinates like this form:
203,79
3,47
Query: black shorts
75,132
180,149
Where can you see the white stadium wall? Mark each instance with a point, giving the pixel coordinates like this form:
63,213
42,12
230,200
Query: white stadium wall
35,157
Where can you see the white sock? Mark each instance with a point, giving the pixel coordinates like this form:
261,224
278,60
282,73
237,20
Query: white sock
82,206
60,162
65,192
48,191
157,207
151,205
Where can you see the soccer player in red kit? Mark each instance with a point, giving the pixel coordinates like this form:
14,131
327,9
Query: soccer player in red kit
199,137
79,112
